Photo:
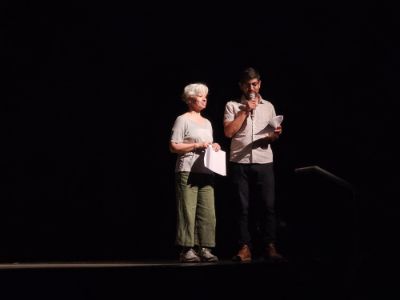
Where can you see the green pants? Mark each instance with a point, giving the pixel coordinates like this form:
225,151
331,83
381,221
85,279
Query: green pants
196,219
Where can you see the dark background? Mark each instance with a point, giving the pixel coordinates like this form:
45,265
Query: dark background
91,91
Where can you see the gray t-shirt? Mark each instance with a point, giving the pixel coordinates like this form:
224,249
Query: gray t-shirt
186,130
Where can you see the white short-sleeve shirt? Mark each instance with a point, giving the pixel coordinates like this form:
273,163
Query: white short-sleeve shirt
243,150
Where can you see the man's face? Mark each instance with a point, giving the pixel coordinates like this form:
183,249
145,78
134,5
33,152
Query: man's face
251,86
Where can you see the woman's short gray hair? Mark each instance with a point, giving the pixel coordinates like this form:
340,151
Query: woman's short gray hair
194,89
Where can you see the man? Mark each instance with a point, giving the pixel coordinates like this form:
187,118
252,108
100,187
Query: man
246,122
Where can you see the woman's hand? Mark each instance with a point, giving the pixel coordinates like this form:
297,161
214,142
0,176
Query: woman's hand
216,146
202,145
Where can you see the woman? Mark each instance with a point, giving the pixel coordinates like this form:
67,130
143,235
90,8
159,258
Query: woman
194,183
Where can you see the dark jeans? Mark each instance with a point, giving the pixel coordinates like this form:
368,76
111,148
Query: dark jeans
254,190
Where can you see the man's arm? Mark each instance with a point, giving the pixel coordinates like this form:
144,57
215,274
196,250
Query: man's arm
231,127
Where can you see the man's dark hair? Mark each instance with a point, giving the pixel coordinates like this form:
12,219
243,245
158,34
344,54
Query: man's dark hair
249,74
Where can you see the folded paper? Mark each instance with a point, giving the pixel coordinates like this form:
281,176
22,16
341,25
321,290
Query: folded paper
276,121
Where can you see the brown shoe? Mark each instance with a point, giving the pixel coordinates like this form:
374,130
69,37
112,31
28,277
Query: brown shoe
272,254
244,254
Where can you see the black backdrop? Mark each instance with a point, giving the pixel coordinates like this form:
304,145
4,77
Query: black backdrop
90,93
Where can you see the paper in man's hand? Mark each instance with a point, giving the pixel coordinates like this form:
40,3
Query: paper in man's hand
276,121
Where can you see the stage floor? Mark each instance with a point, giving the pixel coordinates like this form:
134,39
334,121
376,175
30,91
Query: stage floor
114,264
311,280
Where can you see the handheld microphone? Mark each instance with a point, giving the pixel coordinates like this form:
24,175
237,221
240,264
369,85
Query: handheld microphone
251,97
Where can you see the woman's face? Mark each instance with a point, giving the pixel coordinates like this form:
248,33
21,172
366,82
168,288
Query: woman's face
198,102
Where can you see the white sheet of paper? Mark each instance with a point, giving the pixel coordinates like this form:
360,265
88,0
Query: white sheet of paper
215,160
276,121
